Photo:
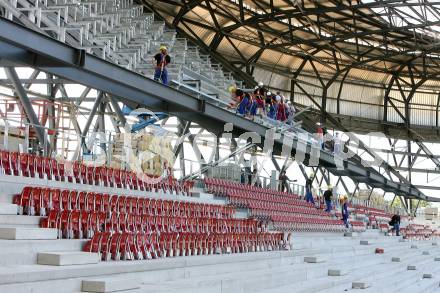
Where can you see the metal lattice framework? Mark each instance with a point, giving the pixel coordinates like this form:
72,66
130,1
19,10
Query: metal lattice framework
319,49
393,44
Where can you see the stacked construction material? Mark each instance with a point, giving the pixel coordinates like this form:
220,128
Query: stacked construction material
142,152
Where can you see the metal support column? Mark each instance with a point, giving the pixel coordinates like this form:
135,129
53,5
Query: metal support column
89,121
27,106
117,110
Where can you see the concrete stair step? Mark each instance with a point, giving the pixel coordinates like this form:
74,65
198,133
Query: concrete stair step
426,285
21,233
359,250
343,283
381,282
257,279
19,220
325,283
351,234
24,252
176,267
58,286
313,259
265,269
337,272
104,285
6,198
236,282
335,242
67,258
8,209
23,246
400,283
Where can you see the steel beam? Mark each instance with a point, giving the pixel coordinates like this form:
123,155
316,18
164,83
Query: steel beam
112,119
90,120
117,110
61,60
27,106
183,129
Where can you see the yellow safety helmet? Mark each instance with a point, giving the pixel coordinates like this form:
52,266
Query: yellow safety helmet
163,47
329,186
232,89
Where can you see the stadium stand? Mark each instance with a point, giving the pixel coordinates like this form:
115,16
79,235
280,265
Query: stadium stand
120,32
71,226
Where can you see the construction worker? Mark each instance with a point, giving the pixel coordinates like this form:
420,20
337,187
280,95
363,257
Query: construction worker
244,104
328,194
284,186
161,60
395,223
260,93
309,195
344,210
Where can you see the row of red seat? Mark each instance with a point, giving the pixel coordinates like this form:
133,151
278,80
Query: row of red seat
224,187
373,213
307,227
138,246
419,232
37,201
384,227
83,224
286,211
29,165
267,207
358,226
300,219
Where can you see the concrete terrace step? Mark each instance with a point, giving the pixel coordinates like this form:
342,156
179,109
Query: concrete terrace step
12,185
206,265
392,247
304,241
358,268
24,252
312,281
243,281
189,271
8,209
401,281
381,279
23,246
181,265
67,258
154,271
21,233
273,265
19,220
207,196
105,285
236,280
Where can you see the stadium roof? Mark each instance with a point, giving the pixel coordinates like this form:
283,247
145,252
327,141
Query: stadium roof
388,45
379,36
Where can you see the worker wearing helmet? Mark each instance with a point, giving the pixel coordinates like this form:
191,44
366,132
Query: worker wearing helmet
161,60
260,96
328,194
309,195
344,207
